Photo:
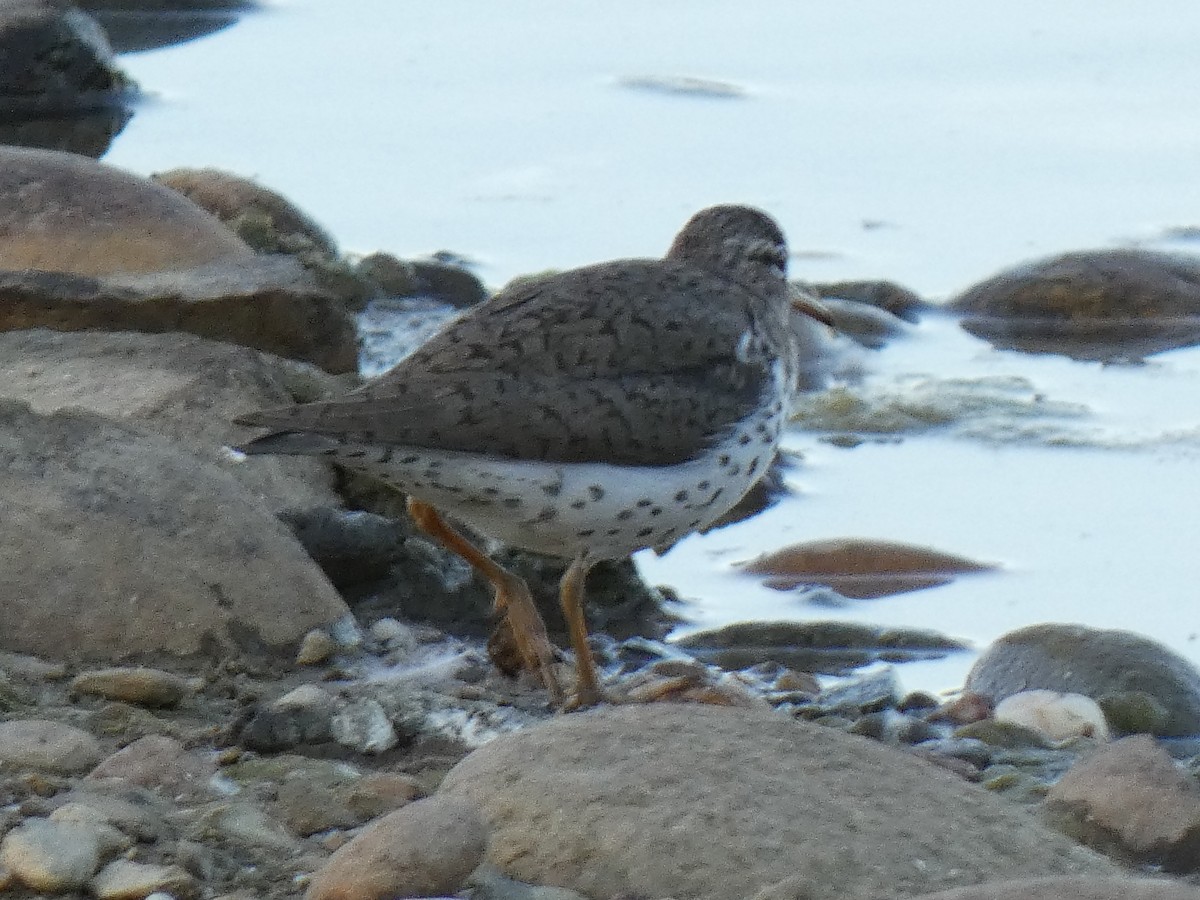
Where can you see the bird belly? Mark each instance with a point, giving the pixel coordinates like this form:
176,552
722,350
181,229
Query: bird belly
598,510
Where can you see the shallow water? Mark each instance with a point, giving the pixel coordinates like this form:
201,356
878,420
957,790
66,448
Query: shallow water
928,142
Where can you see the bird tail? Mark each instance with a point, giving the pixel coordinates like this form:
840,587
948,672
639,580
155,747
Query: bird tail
290,443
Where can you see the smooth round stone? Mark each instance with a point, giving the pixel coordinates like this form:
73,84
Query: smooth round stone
1095,304
139,685
686,800
45,746
122,879
426,849
66,213
54,857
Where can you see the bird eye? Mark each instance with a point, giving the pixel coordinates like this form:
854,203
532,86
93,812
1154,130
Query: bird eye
772,255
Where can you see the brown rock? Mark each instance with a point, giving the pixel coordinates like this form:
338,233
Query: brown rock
1093,662
860,569
180,386
270,303
1098,304
118,543
157,761
426,849
250,209
139,685
1070,889
717,802
65,213
382,792
1131,801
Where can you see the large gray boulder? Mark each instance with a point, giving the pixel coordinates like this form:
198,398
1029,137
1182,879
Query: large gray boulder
116,542
698,801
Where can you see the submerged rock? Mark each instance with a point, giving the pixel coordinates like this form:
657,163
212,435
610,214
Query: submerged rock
1097,304
860,568
834,648
60,87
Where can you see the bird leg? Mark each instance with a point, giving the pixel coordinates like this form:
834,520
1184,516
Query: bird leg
570,597
512,600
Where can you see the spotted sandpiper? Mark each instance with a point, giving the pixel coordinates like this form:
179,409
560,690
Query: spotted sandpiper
585,414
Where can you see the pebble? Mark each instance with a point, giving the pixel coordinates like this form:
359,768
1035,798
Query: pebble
139,685
53,857
426,849
1057,715
316,647
122,879
363,726
47,746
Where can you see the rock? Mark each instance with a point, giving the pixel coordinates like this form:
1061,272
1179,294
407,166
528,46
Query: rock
449,284
872,692
53,857
1097,304
1060,889
1129,800
59,83
44,746
353,548
157,761
302,716
710,802
1134,712
125,880
65,213
150,24
426,849
140,685
382,792
488,884
886,296
177,385
266,220
1092,662
245,823
860,569
316,647
1058,716
122,543
834,648
270,303
431,585
307,805
364,727
135,811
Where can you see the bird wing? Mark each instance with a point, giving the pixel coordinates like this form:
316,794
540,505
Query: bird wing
573,367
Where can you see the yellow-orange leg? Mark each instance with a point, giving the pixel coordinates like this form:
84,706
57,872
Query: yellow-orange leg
570,597
511,596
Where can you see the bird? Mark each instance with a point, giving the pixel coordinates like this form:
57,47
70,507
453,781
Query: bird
585,414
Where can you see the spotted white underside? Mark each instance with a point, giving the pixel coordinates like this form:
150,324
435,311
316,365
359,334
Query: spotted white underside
586,509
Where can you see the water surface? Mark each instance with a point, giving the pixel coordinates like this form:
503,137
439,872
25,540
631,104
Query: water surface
930,142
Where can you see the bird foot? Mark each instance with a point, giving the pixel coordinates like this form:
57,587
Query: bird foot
519,641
